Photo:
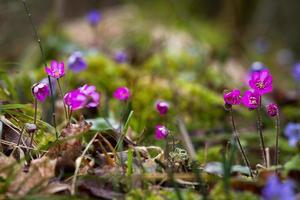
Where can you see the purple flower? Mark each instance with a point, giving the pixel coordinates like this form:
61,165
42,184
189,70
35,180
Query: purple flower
162,107
292,132
257,66
121,57
94,17
161,132
56,69
277,190
296,71
261,81
75,99
122,93
91,94
76,62
272,109
40,91
53,83
232,97
251,99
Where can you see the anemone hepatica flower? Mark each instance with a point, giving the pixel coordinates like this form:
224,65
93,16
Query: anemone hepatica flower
257,66
296,71
272,109
121,57
122,93
94,17
76,62
251,99
161,132
40,91
261,81
53,83
75,99
277,190
292,132
232,97
162,107
92,95
56,69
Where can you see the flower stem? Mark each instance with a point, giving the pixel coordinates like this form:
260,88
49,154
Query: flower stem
34,120
62,96
277,141
236,136
259,127
29,15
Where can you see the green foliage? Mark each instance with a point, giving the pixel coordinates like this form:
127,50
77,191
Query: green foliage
139,194
219,193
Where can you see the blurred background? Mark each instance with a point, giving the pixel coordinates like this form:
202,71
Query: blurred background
185,52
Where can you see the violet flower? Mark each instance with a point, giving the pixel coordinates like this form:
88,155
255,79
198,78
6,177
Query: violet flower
296,71
93,17
232,97
261,81
162,107
251,99
121,57
292,132
75,99
272,109
76,62
277,190
92,95
161,132
122,93
53,83
40,91
56,69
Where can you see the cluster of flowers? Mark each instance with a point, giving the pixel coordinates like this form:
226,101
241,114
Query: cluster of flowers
85,96
161,131
260,83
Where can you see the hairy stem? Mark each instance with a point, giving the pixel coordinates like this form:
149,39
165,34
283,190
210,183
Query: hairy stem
236,136
62,96
34,120
259,127
277,142
29,15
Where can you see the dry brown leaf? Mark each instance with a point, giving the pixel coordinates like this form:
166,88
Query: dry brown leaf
40,171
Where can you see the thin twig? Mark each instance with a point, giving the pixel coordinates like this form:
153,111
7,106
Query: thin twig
187,140
78,163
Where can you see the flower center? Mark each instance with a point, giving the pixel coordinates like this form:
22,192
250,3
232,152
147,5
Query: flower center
56,73
253,100
260,85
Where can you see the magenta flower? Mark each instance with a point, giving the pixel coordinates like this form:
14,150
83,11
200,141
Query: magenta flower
161,132
40,91
272,109
122,93
251,99
92,95
162,107
56,69
75,99
232,97
261,81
